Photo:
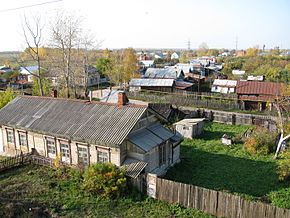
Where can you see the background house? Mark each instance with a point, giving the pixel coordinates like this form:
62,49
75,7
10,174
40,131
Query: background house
224,86
164,73
254,95
26,73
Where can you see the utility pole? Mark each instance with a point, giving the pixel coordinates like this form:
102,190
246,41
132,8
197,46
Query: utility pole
188,44
236,43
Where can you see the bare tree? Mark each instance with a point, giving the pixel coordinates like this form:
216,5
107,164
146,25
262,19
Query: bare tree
87,45
66,30
33,38
282,107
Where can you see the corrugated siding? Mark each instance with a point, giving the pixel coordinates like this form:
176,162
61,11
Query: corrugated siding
79,120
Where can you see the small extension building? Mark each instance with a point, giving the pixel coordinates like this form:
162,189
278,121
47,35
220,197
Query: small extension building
189,128
84,132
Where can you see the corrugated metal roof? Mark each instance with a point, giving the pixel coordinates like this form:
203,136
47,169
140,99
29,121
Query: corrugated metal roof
151,82
133,167
150,137
91,122
161,131
258,88
145,139
169,72
224,82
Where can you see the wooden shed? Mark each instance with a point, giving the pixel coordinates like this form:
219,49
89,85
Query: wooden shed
189,128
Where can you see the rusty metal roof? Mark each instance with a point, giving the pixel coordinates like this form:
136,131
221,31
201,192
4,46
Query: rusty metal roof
258,88
90,122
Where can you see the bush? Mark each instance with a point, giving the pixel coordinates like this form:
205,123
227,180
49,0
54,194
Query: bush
283,168
262,141
105,180
281,198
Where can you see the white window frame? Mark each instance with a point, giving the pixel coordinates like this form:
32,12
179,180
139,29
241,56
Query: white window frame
103,155
50,147
9,136
82,155
22,143
65,152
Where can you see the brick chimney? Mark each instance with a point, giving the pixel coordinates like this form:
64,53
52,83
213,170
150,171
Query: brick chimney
122,99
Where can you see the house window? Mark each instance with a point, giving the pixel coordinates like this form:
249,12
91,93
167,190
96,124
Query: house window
83,155
162,154
10,136
23,139
64,150
103,156
50,143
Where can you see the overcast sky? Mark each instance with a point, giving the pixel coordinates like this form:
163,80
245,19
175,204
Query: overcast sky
161,23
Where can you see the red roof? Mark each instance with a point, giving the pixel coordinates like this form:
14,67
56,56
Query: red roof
258,88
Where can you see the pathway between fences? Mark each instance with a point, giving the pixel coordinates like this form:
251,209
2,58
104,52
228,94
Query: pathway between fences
213,202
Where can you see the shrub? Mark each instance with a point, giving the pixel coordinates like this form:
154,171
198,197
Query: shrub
262,141
283,168
105,180
281,198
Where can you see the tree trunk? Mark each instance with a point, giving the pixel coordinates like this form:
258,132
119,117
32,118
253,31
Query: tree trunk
281,140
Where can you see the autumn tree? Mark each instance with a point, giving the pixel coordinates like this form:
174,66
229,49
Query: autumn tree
120,66
129,64
252,52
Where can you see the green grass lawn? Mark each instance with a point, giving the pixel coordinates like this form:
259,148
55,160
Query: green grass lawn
27,189
206,162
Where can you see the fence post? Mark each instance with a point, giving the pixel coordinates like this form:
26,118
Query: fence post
151,185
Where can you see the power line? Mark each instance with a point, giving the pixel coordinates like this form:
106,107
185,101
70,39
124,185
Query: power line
29,6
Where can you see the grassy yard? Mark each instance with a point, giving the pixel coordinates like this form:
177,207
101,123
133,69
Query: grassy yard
206,162
34,191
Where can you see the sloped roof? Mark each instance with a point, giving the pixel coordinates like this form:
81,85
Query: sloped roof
150,137
90,122
151,82
169,73
258,88
133,167
28,70
224,82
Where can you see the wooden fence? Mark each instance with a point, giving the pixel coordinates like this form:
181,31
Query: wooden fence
14,161
188,99
213,202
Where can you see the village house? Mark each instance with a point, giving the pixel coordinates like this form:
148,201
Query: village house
85,132
255,95
164,73
224,86
26,74
154,84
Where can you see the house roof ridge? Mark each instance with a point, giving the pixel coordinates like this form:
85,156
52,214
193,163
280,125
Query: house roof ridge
84,101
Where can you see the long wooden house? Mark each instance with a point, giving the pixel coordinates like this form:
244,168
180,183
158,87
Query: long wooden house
84,132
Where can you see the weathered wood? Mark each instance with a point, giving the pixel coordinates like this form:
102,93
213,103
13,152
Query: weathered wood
217,203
